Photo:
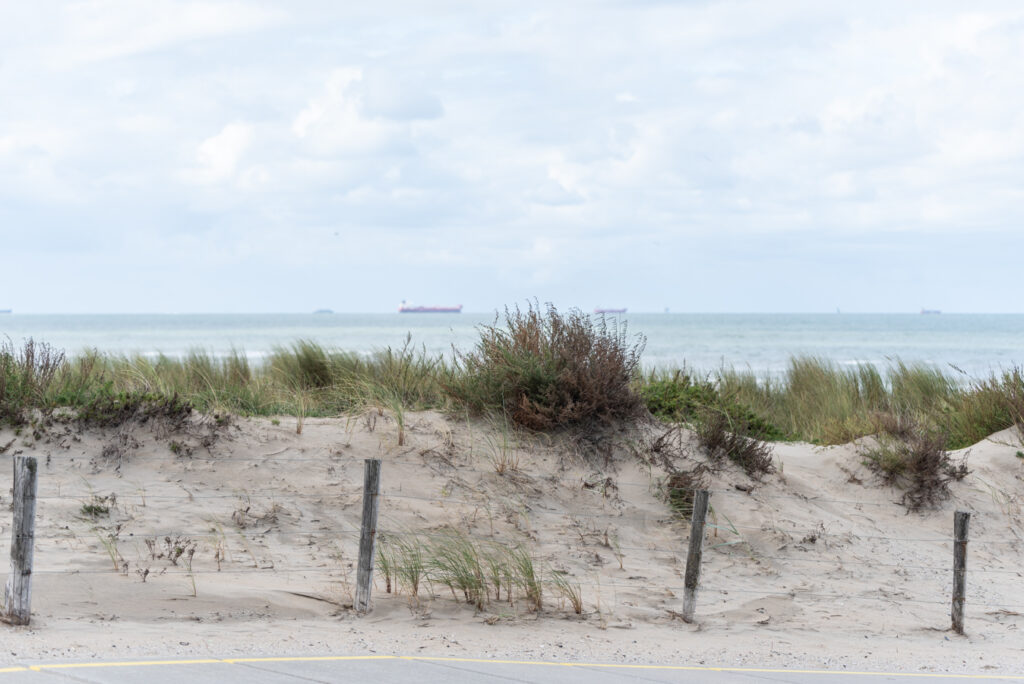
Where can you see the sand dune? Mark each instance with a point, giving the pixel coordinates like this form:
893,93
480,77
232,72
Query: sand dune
818,565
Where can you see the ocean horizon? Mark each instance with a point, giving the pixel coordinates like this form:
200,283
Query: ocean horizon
977,344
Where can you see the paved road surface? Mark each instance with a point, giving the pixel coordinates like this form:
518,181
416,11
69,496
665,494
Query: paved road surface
422,670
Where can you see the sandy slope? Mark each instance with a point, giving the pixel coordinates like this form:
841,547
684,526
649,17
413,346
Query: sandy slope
816,566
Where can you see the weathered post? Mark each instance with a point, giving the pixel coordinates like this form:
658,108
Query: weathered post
18,592
692,578
368,534
961,520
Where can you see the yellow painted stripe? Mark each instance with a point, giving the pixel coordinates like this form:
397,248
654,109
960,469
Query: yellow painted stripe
490,661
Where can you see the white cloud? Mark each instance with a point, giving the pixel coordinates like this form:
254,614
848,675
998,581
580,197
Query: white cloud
478,134
217,157
95,30
335,122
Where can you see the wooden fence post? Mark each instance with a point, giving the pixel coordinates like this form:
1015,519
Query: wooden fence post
18,592
961,520
692,578
368,534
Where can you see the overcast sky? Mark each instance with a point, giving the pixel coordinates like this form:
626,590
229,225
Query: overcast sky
759,156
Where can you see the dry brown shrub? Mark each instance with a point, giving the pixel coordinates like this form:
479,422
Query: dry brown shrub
723,438
548,370
915,459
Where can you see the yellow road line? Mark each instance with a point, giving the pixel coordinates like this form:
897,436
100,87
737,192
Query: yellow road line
489,661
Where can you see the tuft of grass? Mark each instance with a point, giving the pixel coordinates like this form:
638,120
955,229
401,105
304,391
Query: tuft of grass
386,562
455,561
501,451
568,590
914,458
546,370
525,576
470,568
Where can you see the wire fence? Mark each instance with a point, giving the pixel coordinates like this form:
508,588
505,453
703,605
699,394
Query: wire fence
330,541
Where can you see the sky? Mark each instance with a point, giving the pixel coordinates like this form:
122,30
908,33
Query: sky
243,156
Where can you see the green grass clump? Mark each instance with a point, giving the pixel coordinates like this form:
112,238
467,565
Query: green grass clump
541,369
473,569
26,376
819,402
679,397
546,370
304,379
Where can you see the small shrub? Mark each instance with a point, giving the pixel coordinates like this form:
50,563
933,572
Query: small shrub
98,506
25,377
722,439
915,459
179,448
547,370
110,408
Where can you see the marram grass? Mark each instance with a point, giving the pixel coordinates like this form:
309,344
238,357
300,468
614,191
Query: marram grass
578,367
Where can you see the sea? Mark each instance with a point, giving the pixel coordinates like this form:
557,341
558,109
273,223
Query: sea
977,344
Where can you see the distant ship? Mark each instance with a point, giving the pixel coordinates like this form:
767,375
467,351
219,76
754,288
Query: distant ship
323,311
3,311
405,308
930,311
600,310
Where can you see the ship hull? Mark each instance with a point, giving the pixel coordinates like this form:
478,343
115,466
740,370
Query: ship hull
430,309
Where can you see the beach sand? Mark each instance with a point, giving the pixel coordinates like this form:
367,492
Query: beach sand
818,566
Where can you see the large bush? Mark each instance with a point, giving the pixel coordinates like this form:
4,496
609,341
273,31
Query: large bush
546,369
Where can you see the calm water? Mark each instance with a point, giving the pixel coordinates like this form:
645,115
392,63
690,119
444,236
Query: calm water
976,343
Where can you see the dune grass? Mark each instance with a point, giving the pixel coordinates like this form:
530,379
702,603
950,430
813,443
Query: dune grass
472,569
818,401
304,379
541,369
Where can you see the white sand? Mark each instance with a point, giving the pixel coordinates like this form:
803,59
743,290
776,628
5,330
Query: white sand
818,566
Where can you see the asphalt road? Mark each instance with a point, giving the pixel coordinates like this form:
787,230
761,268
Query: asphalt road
423,669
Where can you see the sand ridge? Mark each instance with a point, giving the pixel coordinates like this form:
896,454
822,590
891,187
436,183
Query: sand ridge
818,565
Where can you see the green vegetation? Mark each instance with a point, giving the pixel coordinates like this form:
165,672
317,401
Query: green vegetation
818,402
547,370
472,569
301,380
678,397
915,459
539,369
